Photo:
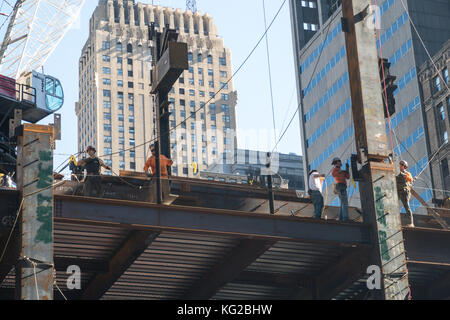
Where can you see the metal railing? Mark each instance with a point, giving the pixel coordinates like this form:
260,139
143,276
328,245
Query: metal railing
17,91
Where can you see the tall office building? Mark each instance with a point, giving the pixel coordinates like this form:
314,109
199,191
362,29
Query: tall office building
323,81
434,79
116,111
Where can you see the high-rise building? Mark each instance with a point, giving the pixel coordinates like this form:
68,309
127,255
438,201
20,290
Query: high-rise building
245,165
116,111
323,81
434,79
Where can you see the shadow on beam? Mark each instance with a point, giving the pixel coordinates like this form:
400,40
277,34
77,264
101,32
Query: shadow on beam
228,269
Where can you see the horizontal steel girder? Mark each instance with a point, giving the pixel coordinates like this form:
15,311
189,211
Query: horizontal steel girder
144,216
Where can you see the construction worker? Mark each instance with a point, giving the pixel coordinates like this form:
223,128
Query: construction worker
404,182
92,183
341,178
164,163
315,191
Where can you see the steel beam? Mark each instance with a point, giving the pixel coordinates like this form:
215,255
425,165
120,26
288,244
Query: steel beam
340,274
129,251
145,216
35,179
228,268
378,189
439,289
427,246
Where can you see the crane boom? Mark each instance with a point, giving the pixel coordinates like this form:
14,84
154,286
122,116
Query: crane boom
191,5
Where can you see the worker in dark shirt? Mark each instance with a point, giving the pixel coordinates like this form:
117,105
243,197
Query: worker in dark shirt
92,165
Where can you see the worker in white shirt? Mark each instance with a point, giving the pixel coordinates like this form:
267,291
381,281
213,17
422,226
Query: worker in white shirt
315,191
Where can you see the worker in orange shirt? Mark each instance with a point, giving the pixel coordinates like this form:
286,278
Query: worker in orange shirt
341,178
164,163
404,182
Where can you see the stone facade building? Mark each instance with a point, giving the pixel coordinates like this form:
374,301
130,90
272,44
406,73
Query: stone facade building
116,111
434,80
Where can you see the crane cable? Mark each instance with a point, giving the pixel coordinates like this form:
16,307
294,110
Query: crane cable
270,74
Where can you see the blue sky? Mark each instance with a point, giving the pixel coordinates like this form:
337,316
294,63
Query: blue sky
240,24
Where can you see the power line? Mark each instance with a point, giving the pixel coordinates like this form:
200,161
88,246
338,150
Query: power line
212,97
424,46
309,82
270,74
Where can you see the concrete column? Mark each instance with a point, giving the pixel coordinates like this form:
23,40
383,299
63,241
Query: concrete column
141,15
131,13
121,13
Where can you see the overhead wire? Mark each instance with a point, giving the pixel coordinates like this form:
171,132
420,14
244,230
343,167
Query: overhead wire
215,94
309,82
270,73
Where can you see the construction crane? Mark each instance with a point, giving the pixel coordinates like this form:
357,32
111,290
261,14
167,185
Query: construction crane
35,29
191,5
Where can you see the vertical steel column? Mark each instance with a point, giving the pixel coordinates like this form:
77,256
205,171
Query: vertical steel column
35,179
378,189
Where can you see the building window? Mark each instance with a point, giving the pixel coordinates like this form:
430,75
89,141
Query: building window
106,116
106,81
223,74
131,107
120,117
108,139
210,59
130,84
444,166
119,47
119,72
107,93
437,84
107,151
121,141
106,70
107,104
224,85
225,97
132,165
121,129
201,82
181,80
192,92
223,61
199,57
106,45
130,73
120,83
210,72
132,142
119,60
130,48
211,84
190,57
131,97
130,62
445,73
131,119
106,58
182,102
107,127
181,91
120,106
